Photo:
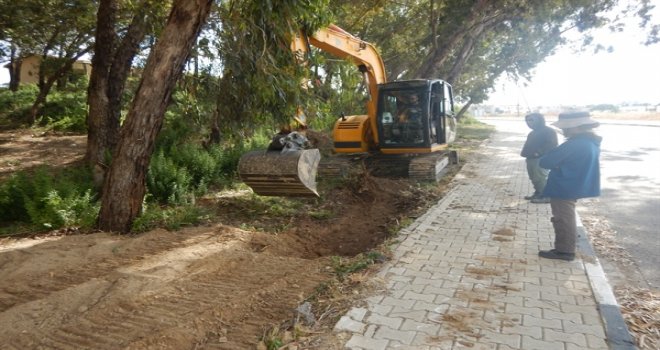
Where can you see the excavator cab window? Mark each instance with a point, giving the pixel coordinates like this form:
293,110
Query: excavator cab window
449,120
443,125
403,118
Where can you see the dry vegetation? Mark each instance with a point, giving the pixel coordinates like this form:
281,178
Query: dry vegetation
639,304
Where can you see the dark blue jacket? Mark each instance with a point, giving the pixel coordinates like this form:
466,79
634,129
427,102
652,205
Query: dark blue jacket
574,168
540,140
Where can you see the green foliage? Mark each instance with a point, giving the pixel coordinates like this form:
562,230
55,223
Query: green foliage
178,173
171,218
15,106
261,77
344,267
48,199
79,209
341,93
321,214
66,110
255,206
272,339
471,129
472,43
405,222
167,181
185,165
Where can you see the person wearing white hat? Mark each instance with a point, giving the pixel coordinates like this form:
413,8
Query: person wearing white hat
574,174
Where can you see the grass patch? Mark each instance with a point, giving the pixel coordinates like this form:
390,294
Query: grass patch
472,129
172,218
345,266
321,214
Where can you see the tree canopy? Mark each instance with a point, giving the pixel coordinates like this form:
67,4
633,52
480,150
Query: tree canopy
237,56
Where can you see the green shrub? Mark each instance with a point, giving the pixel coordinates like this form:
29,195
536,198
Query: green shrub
198,162
66,110
172,218
49,199
344,267
15,106
167,182
77,209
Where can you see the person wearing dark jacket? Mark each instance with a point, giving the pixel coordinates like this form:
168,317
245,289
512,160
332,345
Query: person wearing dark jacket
574,174
539,141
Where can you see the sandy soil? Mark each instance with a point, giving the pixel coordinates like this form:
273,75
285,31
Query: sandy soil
222,285
210,287
23,149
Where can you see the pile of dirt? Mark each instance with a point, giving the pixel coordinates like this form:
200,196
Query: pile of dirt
224,285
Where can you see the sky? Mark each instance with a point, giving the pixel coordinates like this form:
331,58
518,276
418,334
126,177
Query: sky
629,74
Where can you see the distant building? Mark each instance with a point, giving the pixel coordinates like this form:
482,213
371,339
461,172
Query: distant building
30,68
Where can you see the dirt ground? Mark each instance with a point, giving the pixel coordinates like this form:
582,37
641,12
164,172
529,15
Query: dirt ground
233,283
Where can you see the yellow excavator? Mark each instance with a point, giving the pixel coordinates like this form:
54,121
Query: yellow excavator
407,127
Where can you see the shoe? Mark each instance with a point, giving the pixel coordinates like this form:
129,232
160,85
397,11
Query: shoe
554,254
540,200
532,196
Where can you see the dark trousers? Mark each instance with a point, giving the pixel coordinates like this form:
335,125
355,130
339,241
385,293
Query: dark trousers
565,225
537,175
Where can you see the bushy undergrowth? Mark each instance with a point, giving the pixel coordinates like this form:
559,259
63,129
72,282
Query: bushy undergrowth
15,106
470,128
179,171
172,218
46,200
65,110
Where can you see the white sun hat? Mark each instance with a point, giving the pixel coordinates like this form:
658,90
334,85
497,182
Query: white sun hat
569,120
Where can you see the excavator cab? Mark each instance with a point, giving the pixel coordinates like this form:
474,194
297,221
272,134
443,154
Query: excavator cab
415,116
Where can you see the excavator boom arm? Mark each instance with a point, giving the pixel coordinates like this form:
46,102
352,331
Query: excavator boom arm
364,55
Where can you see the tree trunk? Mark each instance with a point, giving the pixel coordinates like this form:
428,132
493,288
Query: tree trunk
110,69
97,93
15,64
44,89
125,187
121,68
464,109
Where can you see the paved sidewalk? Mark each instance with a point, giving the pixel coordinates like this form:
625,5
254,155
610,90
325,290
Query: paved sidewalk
466,275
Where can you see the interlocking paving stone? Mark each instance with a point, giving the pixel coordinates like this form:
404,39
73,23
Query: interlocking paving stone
466,274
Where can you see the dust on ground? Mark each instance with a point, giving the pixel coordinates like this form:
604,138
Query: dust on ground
222,285
22,149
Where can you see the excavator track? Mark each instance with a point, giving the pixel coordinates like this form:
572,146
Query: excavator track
429,167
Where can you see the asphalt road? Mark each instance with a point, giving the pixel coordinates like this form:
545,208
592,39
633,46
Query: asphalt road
630,182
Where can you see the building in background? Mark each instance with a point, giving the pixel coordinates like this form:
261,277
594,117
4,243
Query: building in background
29,73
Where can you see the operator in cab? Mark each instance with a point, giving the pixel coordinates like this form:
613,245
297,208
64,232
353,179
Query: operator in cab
411,110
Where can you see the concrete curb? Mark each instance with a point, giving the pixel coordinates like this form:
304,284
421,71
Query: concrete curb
618,336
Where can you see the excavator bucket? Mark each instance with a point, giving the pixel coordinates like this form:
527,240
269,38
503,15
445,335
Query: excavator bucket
287,174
